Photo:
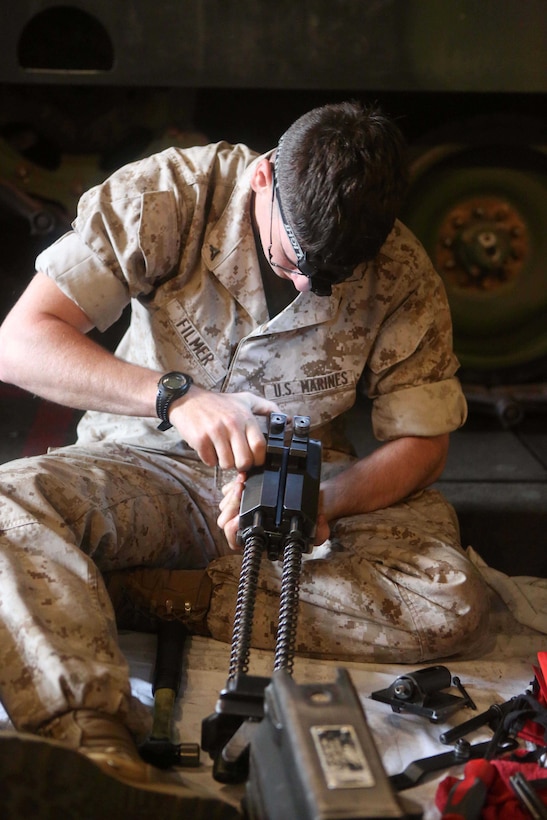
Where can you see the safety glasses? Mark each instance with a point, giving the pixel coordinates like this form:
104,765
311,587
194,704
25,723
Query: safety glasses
321,274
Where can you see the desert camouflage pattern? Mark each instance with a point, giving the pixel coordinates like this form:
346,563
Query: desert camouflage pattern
172,234
393,585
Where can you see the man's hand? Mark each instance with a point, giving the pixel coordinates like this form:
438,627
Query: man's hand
228,519
222,427
44,349
388,475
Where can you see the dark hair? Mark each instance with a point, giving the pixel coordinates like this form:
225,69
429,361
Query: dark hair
342,175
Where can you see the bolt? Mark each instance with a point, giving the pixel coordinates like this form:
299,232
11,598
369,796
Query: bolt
487,239
302,425
277,423
403,689
462,749
42,222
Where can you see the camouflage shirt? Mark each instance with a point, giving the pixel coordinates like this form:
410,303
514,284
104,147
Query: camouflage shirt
172,234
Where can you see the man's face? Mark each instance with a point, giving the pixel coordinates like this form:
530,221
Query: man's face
285,254
281,254
275,242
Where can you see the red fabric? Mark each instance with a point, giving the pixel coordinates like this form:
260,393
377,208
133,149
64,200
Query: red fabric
542,658
501,801
532,731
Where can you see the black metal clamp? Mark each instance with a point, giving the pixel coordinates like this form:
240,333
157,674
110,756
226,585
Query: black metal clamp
421,693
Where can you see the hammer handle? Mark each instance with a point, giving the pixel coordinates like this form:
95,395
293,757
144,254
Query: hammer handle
170,649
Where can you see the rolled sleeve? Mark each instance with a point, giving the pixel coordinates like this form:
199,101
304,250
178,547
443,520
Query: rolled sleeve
85,280
424,410
126,238
410,373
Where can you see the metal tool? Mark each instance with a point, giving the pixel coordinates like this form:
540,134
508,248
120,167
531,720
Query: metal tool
420,693
278,513
528,797
313,757
492,718
417,771
159,749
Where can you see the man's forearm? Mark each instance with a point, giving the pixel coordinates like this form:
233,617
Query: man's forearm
392,472
62,365
44,349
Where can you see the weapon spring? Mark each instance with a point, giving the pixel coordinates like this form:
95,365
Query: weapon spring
246,597
288,607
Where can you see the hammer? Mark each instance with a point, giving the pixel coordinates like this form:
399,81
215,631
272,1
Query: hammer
158,749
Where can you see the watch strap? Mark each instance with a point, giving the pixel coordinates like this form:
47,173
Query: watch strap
165,397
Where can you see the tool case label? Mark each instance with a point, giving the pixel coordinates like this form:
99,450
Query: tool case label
341,756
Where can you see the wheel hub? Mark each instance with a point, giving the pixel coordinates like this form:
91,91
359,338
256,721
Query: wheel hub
483,243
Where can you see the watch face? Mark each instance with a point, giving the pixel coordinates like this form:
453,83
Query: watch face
173,381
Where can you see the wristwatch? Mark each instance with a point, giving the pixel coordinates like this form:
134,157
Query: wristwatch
171,386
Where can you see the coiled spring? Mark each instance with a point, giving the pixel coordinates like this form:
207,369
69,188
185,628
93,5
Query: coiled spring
288,607
246,597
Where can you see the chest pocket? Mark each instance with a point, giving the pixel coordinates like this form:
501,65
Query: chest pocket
300,378
159,234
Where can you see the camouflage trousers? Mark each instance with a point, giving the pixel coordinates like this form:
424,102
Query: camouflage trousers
390,586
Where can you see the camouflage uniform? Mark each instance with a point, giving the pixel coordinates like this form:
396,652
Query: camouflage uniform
173,235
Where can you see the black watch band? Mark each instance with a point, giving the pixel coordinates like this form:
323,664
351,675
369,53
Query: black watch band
171,386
